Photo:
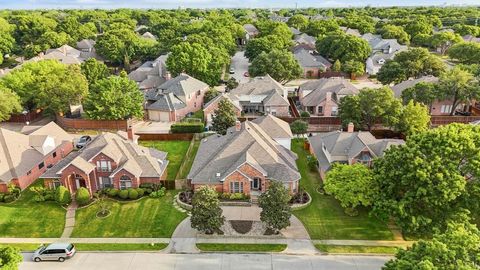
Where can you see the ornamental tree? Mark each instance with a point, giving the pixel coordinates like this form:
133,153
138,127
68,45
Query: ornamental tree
352,185
280,65
299,127
224,117
430,179
114,98
10,258
276,211
206,212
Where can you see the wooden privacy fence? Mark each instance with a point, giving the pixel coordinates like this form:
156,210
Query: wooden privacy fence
22,118
75,123
445,120
165,137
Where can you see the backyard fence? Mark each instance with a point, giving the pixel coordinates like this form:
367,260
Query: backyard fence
86,124
165,136
28,117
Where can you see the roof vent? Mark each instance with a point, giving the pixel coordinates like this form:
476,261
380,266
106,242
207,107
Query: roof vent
217,174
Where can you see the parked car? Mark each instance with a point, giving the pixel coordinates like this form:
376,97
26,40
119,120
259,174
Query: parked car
84,140
246,74
232,71
54,252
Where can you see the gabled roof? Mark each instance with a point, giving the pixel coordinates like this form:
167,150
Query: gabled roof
377,43
306,60
275,127
262,85
320,88
305,39
182,86
250,28
137,160
399,88
150,74
86,44
219,98
295,31
218,156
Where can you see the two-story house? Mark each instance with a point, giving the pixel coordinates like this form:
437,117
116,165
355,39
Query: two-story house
151,74
382,50
347,147
175,98
110,160
322,97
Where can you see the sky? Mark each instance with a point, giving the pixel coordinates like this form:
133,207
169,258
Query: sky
168,4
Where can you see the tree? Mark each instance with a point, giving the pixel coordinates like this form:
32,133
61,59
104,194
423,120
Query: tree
344,47
466,52
456,248
299,127
422,92
263,44
337,66
9,103
120,46
352,185
276,211
281,65
10,258
418,26
224,117
55,85
114,98
94,71
369,107
210,94
458,85
318,28
423,184
206,212
28,31
444,40
465,29
389,31
192,59
354,68
82,196
298,21
414,118
231,84
413,63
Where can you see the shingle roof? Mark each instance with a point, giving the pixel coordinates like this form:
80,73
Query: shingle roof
222,155
320,88
86,44
399,88
305,39
295,31
262,85
275,127
306,59
151,73
250,28
377,43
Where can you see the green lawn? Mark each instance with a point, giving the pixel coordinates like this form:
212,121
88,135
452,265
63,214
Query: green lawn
188,162
144,218
97,246
357,249
324,218
176,153
242,247
27,218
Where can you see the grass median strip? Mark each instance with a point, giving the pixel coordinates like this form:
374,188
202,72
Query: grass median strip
242,247
98,246
357,249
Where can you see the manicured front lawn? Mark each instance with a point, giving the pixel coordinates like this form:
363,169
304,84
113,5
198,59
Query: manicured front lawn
357,249
97,246
144,218
242,247
176,153
324,218
27,218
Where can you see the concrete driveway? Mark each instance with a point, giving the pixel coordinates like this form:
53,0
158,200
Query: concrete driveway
210,261
240,66
242,212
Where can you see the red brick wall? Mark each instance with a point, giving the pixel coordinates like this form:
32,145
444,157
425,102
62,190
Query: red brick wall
116,179
236,177
3,187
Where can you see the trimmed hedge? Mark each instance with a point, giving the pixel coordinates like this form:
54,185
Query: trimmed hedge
82,196
62,195
187,127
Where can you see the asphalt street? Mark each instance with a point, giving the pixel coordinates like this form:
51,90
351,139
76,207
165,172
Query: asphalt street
240,66
207,261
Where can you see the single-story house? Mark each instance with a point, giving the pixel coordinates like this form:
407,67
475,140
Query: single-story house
109,160
322,97
24,158
245,160
175,98
347,147
311,64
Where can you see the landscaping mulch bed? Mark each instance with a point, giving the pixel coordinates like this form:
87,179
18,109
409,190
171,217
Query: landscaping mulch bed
242,226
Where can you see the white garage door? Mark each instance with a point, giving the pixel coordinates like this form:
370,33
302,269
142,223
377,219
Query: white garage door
159,116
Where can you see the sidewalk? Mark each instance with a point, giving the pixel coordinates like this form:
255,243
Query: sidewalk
382,243
86,240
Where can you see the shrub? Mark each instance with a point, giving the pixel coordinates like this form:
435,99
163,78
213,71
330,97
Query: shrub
132,194
236,196
113,192
141,192
304,114
2,197
158,194
312,162
187,127
82,196
62,195
9,198
123,194
49,195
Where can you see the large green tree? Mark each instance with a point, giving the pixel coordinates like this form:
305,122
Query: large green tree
298,21
456,248
414,118
265,44
444,40
425,182
114,98
206,212
344,47
466,52
319,28
10,258
9,103
276,210
223,117
94,71
280,65
389,31
192,59
422,92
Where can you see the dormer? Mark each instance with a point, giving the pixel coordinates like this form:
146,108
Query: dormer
381,61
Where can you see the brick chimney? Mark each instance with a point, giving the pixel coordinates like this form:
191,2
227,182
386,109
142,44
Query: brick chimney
238,125
350,127
130,132
328,96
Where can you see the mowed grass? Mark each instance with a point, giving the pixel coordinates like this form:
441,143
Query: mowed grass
242,247
147,217
357,249
96,246
176,153
188,162
27,218
324,218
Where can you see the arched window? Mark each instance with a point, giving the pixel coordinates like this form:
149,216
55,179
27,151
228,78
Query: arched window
125,182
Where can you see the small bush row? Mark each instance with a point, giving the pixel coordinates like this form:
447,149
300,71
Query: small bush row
187,127
233,196
13,192
133,193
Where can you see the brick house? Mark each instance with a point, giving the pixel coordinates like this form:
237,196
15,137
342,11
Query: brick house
322,97
175,98
244,161
110,160
24,158
347,147
210,107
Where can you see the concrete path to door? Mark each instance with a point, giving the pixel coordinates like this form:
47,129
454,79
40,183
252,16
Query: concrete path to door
70,220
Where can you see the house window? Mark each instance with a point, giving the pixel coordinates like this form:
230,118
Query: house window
334,111
236,187
104,166
56,184
195,104
29,172
54,154
364,158
320,109
199,93
41,165
125,182
446,109
105,182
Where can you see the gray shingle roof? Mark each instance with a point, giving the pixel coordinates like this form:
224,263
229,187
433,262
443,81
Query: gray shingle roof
250,28
259,86
218,156
399,88
305,39
320,88
307,60
276,127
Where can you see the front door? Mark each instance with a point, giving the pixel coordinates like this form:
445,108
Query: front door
256,184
